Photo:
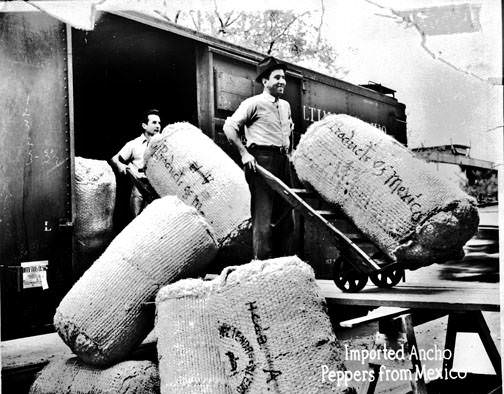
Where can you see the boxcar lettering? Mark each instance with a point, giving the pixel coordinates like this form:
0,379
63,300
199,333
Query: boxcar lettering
312,114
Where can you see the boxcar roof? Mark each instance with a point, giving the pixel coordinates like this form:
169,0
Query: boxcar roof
250,54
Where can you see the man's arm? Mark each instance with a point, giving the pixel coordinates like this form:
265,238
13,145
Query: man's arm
231,129
117,163
118,160
232,135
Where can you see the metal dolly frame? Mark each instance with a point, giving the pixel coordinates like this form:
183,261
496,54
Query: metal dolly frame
353,268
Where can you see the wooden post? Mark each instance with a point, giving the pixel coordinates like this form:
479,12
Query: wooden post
394,333
418,385
471,321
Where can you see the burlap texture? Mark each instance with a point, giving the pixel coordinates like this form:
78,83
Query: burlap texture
265,322
101,318
95,194
187,346
69,376
185,162
397,200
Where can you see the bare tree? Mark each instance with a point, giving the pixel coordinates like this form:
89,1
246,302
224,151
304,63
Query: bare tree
286,34
164,13
197,19
226,20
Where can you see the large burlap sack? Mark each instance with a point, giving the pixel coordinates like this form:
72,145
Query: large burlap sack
185,162
101,318
68,376
187,346
400,203
261,327
95,194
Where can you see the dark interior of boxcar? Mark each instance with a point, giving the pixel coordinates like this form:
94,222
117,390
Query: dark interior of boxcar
122,68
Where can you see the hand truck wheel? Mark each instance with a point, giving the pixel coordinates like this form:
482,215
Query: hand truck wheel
388,277
347,278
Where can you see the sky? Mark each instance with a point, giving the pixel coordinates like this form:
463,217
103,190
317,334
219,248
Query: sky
452,86
449,77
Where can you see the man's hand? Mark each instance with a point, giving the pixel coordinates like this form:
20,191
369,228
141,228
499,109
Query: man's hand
249,161
136,171
122,168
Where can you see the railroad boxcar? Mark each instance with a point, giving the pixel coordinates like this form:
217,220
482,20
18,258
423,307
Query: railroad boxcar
65,92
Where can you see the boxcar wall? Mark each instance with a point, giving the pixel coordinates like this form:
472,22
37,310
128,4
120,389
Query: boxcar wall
229,78
66,92
35,171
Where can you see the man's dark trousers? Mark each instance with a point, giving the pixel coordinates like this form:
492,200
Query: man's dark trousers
268,208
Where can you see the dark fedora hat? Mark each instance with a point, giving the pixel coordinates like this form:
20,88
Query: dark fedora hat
267,65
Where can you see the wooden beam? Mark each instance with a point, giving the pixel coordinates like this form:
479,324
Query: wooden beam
375,315
454,298
445,157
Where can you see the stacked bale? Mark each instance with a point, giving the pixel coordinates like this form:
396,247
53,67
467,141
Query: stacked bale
101,318
401,204
265,321
189,360
185,162
95,194
72,376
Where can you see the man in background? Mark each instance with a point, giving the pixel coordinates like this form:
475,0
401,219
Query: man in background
267,123
131,156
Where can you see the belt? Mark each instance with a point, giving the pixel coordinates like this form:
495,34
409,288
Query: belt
271,148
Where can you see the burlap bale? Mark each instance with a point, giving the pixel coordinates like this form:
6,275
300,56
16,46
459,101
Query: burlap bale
68,376
185,162
266,323
95,194
401,204
101,318
189,360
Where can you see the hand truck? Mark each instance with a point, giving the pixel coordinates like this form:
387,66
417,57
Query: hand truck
353,267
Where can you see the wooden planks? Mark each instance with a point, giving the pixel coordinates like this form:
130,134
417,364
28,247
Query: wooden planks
231,90
455,297
375,315
30,351
38,350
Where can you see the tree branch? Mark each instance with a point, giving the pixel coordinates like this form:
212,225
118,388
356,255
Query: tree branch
224,25
177,16
270,48
275,38
229,23
288,26
196,23
221,22
322,5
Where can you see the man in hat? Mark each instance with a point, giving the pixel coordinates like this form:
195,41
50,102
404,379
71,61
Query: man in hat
267,123
131,156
